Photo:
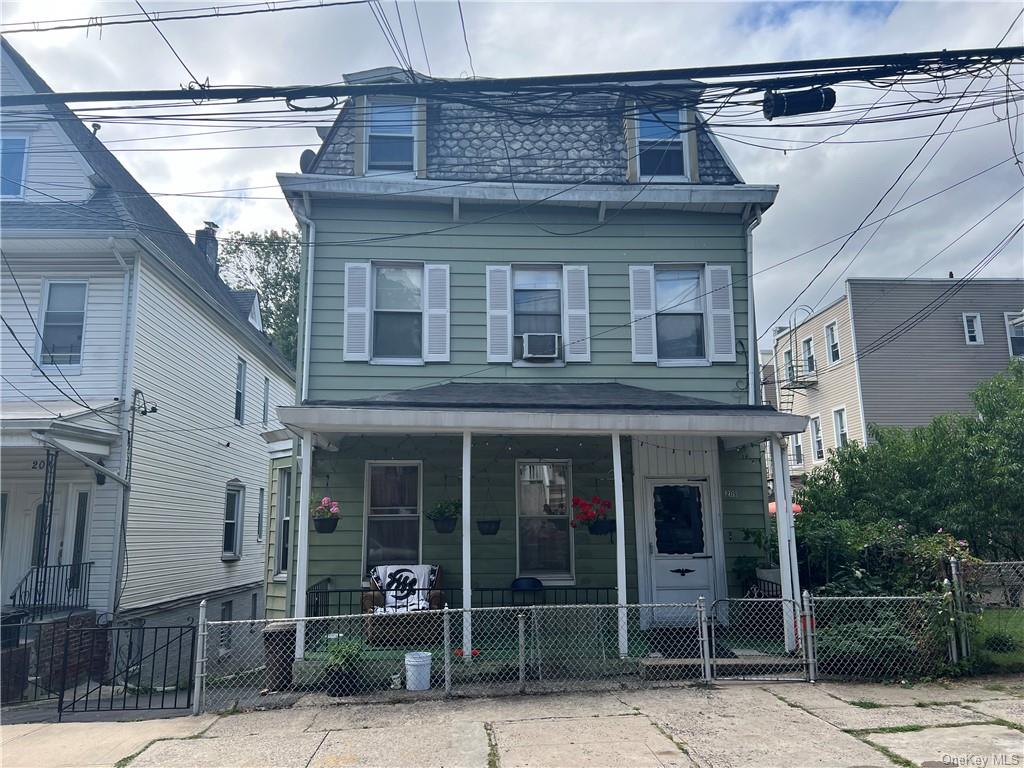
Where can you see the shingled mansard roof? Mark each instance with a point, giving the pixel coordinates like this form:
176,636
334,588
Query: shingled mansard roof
120,202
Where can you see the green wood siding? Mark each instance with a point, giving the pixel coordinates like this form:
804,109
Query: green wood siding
629,236
276,588
744,506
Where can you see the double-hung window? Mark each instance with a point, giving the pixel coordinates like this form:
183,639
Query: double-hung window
234,504
1014,334
390,136
839,422
63,324
240,371
398,312
972,329
392,514
544,533
832,342
679,320
536,312
807,347
266,399
261,514
798,449
661,144
817,444
787,361
13,151
284,520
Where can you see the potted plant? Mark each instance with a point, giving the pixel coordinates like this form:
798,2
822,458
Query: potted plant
488,527
326,515
592,513
341,675
445,514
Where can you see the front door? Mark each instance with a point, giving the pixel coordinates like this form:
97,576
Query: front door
680,543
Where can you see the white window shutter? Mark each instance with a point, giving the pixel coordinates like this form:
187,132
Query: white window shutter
642,320
436,314
356,345
499,314
576,314
720,317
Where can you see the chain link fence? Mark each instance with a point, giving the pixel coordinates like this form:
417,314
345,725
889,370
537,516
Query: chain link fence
758,638
989,598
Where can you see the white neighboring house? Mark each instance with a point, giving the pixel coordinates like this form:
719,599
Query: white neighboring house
114,319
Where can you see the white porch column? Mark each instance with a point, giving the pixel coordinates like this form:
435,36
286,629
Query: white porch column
788,569
620,544
302,558
467,560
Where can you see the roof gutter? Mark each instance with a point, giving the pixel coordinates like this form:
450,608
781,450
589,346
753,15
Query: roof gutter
307,319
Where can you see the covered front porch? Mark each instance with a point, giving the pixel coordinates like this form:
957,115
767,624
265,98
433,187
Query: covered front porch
682,478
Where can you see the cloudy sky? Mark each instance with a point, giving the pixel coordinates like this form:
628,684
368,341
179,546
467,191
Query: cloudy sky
825,190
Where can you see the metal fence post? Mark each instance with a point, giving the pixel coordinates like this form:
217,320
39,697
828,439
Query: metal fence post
447,651
810,652
521,621
705,646
200,682
960,607
952,634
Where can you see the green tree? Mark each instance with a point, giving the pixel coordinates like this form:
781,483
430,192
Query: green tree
267,262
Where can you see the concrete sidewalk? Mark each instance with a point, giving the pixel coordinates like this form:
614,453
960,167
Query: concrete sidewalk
976,723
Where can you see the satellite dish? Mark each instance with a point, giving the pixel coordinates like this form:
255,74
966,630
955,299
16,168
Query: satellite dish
306,160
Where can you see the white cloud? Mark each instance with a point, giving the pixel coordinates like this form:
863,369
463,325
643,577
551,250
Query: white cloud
825,191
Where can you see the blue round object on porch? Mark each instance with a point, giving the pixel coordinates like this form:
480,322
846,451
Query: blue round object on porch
526,584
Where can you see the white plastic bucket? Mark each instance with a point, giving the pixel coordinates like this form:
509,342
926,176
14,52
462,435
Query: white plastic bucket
417,671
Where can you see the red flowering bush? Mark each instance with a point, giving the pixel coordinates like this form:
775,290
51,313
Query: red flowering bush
586,512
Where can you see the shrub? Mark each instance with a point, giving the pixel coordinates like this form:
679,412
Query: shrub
1002,642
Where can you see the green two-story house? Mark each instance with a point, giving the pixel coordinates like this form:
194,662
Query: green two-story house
506,312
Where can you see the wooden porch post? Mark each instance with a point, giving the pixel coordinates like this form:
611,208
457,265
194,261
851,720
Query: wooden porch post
620,544
787,541
467,560
302,558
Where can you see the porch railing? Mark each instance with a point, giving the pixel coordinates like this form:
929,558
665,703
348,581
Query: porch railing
49,588
322,600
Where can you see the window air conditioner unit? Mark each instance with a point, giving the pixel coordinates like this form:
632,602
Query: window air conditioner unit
541,346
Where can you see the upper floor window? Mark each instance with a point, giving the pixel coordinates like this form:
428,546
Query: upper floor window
536,313
787,362
13,151
390,135
284,520
63,323
661,144
398,312
261,514
817,444
832,342
797,444
972,328
544,532
240,371
233,506
807,347
839,422
266,399
679,320
1014,334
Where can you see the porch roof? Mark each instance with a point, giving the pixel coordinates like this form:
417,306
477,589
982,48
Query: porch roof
572,408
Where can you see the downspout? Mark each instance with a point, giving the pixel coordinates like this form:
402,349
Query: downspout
753,353
307,320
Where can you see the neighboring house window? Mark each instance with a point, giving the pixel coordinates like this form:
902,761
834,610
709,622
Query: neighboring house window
284,517
393,514
234,501
13,151
398,312
266,399
1014,335
798,450
661,143
972,328
839,421
679,316
260,514
787,360
63,324
816,442
226,614
240,392
807,347
390,136
536,310
545,536
832,342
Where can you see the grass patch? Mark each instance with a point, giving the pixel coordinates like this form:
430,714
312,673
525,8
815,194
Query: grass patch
896,759
865,704
492,747
125,761
999,640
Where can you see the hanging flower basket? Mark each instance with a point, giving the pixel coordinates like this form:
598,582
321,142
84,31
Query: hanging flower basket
601,527
326,514
445,515
488,527
445,524
592,513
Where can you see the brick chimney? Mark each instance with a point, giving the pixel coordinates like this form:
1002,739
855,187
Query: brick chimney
206,241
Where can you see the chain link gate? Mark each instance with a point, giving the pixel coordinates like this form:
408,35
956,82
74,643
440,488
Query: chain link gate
759,638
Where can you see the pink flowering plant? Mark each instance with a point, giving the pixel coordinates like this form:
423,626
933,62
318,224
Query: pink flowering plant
327,508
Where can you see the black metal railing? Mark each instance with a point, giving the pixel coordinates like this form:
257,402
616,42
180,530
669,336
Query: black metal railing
48,588
321,600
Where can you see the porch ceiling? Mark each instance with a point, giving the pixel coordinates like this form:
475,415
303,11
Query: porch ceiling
539,409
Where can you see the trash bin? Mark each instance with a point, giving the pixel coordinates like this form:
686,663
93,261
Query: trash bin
279,653
417,671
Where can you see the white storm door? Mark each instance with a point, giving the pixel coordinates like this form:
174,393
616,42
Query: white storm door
680,545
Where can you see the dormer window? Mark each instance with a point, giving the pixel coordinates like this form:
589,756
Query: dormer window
661,144
390,136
